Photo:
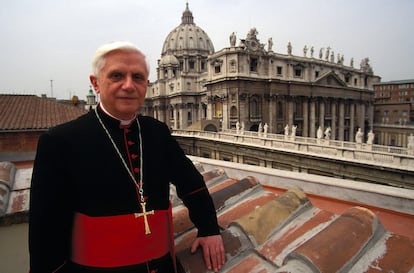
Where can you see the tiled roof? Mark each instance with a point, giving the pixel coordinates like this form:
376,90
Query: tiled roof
35,113
395,82
264,231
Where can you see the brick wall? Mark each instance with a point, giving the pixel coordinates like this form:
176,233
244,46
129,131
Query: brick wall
19,141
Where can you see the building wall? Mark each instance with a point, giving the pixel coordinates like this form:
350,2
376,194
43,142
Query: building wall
251,84
394,112
19,142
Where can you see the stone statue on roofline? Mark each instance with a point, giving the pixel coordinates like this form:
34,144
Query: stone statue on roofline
252,34
289,48
270,44
365,66
328,51
233,39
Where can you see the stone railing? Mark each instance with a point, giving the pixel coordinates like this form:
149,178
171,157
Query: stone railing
395,157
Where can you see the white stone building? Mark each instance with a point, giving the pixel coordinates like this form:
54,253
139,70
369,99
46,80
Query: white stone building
249,83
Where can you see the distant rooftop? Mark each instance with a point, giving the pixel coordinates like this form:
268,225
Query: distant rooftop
395,82
35,113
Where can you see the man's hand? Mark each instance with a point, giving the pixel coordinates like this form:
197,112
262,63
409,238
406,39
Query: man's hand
213,251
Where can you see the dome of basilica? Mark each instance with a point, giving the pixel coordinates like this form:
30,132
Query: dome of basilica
187,37
168,60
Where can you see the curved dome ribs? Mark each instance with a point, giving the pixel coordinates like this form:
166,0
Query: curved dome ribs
187,38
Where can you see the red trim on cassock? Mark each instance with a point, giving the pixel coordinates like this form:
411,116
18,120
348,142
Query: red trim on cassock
113,241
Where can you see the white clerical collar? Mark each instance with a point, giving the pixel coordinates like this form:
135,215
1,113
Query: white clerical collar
122,122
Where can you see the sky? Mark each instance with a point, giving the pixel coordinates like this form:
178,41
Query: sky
46,46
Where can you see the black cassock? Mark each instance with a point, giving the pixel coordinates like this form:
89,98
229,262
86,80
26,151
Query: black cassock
77,171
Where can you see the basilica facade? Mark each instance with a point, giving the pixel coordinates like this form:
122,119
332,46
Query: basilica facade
248,83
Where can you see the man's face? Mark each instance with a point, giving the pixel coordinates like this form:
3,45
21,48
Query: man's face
122,83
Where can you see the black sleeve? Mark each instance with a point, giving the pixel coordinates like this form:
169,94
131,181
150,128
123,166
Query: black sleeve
50,217
191,189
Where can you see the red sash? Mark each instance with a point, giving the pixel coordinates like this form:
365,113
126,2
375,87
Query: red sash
113,241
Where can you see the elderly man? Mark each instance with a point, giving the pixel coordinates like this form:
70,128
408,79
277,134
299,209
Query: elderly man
100,185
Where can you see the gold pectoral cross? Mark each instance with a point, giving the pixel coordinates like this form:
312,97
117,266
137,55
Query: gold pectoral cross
144,214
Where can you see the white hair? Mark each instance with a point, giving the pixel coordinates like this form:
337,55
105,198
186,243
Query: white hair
98,60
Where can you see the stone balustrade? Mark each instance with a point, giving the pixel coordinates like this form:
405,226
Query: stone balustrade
390,156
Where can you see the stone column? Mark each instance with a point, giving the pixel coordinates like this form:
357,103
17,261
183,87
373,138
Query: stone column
322,113
183,116
272,114
341,121
290,111
352,122
312,118
210,110
176,114
224,114
370,116
333,121
361,116
305,117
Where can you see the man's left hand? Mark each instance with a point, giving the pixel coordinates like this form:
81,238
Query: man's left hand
213,251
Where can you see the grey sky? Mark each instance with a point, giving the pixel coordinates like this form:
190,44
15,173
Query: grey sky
43,40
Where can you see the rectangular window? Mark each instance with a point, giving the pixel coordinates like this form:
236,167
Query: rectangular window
191,64
253,65
279,70
217,69
298,72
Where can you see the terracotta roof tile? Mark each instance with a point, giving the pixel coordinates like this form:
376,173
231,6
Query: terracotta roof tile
35,113
265,231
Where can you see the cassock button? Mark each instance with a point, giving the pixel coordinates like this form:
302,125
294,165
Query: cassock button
136,170
133,156
130,142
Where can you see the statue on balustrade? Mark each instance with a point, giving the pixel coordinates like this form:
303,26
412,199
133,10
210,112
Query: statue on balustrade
293,133
319,133
410,144
286,131
371,137
359,136
328,133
